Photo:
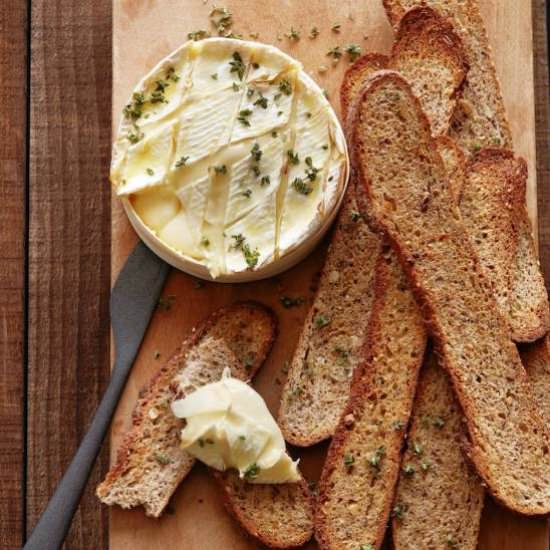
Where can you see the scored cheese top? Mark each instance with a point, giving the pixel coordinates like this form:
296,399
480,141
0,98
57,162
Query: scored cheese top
230,154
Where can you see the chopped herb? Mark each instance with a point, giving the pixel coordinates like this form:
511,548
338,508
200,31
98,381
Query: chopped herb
335,53
250,92
201,443
308,115
266,180
256,152
496,141
156,355
209,441
326,94
242,437
375,459
220,169
135,136
256,171
311,171
234,35
205,242
314,32
398,425
274,134
336,27
197,284
214,76
279,113
252,471
150,171
355,216
408,469
349,461
251,256
296,392
134,109
237,65
181,161
255,36
235,87
293,157
330,178
366,547
417,448
438,422
353,51
321,321
476,147
162,459
425,465
247,193
293,34
165,304
451,543
222,19
288,302
285,87
398,511
312,485
243,117
248,361
301,186
261,101
198,35
277,96
171,75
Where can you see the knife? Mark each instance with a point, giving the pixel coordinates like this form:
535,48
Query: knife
133,300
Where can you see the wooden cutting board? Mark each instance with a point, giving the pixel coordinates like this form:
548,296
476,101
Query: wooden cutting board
144,31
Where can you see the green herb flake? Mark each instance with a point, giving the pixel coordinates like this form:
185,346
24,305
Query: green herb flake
355,216
220,169
243,116
313,33
398,511
325,146
417,448
398,425
425,465
198,35
181,161
353,51
265,180
301,186
293,157
408,469
293,34
247,193
222,19
274,134
438,422
287,302
312,485
134,109
366,547
165,304
156,355
162,459
349,461
376,458
335,53
235,87
135,136
242,437
311,171
251,256
451,543
285,87
214,76
321,321
150,171
336,27
251,472
205,242
261,102
476,147
256,152
254,36
237,65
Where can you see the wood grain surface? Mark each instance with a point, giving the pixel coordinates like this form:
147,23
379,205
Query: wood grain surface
65,259
68,247
13,90
197,516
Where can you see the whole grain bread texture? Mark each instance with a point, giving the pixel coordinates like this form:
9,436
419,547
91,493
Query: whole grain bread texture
480,118
439,497
429,55
409,198
361,469
536,360
329,348
150,463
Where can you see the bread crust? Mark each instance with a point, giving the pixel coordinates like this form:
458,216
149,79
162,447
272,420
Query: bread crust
502,482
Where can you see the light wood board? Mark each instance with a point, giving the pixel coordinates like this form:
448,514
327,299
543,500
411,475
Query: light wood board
144,32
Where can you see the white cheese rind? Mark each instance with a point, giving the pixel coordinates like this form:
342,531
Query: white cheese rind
191,177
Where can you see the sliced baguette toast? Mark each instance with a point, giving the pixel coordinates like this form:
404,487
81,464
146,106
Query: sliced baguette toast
480,119
439,497
329,348
409,198
455,165
429,54
150,463
494,178
362,466
536,359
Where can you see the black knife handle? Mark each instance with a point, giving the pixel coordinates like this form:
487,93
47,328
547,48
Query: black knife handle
52,527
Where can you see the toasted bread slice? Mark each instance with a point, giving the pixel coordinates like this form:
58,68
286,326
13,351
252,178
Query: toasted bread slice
529,310
489,211
356,76
439,497
329,348
536,359
480,119
455,165
150,463
362,466
279,516
409,198
429,54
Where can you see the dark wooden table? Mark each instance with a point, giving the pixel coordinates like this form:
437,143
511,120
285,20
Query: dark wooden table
55,83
